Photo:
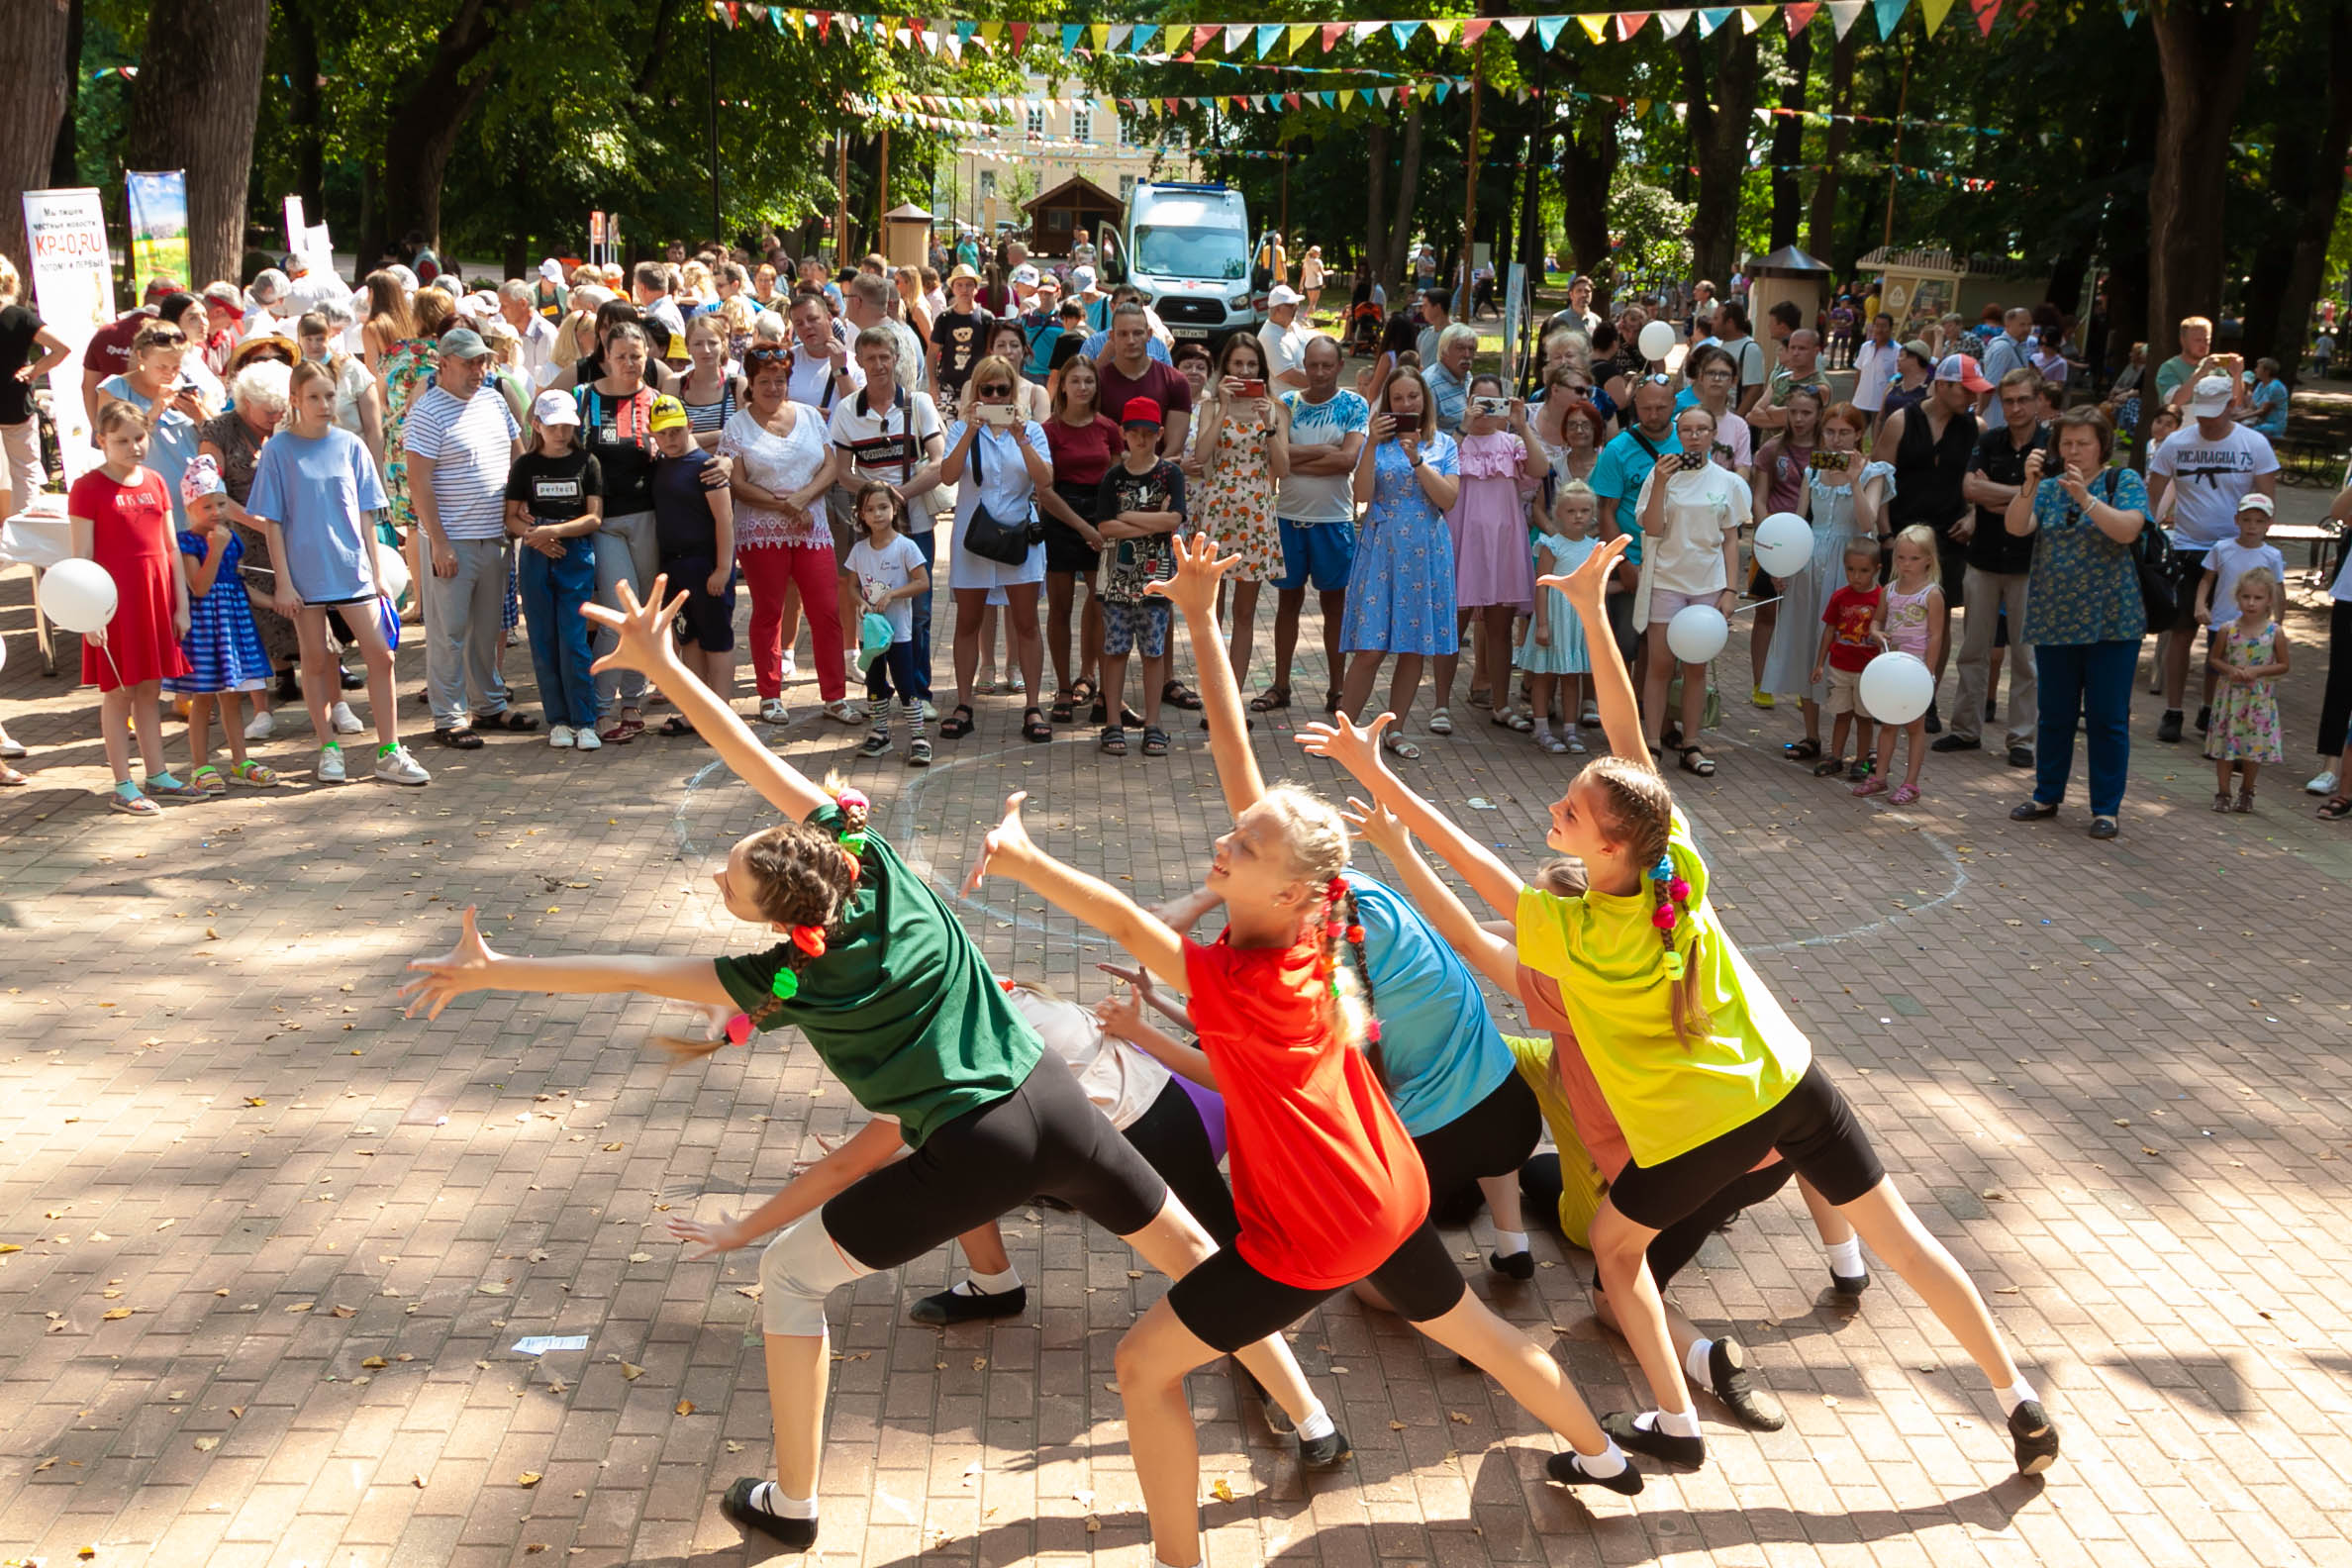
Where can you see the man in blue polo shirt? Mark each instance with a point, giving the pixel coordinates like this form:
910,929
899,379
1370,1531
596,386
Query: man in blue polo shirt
1617,480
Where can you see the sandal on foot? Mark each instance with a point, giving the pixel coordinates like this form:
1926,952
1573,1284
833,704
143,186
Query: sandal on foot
1113,743
1552,744
2222,801
1397,745
208,780
2245,801
128,800
2336,808
1064,704
675,724
10,778
1903,795
1178,695
1084,691
1156,741
1332,701
1272,698
1869,787
622,730
1441,723
1804,751
1034,728
1829,767
956,724
1705,767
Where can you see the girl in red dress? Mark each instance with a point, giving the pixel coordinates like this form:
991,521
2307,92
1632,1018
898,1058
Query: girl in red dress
121,520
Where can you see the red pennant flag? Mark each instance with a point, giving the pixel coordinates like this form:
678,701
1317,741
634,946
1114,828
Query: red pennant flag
1475,29
1019,32
1171,103
1629,23
1986,11
1333,33
1202,36
1290,100
1799,16
824,25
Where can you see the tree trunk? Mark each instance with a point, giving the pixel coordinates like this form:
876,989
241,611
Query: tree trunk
2307,181
1530,223
1788,143
2204,52
1372,266
66,163
1719,127
302,111
1589,156
2067,270
1822,226
426,127
1408,191
33,61
193,108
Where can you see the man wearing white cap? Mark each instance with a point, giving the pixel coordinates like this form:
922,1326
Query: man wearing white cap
550,293
1283,341
2196,481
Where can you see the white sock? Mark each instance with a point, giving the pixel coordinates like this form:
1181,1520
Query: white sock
1609,1461
1674,1423
1508,1244
1316,1424
2014,1395
979,1284
1845,1257
1156,1563
769,1498
1695,1363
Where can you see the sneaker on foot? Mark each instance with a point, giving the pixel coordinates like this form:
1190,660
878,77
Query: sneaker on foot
561,736
930,715
2169,726
1649,1440
1748,1401
345,720
264,725
1563,1468
1955,742
331,763
2036,1436
962,1306
876,742
919,753
2321,783
584,739
1935,720
396,766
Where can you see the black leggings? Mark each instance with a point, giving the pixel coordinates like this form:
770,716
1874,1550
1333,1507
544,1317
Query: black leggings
1228,1304
1494,1137
2335,705
1172,1141
1813,1126
1679,1242
1046,1137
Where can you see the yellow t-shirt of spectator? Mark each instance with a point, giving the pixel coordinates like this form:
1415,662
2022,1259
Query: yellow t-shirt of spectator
1669,1096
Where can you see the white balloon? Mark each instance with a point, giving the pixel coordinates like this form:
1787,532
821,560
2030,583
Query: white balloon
1698,632
395,571
1784,544
1896,688
3,652
1657,340
77,595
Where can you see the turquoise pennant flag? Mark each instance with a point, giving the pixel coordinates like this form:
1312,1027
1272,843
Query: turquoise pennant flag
1889,15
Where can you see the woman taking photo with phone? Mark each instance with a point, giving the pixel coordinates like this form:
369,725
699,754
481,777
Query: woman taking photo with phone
1010,463
1241,442
1844,498
1692,510
1401,592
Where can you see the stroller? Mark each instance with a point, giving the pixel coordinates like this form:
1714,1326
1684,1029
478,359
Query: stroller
1364,327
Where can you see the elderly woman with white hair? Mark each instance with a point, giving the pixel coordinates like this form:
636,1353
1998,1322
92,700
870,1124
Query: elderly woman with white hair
266,304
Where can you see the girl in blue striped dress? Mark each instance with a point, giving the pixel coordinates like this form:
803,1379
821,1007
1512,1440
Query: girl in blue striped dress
223,646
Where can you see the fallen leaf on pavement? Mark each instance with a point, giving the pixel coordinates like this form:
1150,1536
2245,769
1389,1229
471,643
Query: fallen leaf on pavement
528,1478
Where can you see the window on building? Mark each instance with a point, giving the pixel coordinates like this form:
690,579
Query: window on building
988,184
1082,124
1037,122
1127,186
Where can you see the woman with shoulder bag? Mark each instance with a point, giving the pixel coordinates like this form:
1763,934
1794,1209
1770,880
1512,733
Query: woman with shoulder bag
999,541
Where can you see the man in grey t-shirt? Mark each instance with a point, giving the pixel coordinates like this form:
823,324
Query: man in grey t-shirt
1315,510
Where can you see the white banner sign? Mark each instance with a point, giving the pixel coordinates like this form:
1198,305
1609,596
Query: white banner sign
72,277
296,226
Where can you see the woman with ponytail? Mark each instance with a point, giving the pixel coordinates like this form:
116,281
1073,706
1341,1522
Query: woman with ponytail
1329,1186
1703,1071
874,970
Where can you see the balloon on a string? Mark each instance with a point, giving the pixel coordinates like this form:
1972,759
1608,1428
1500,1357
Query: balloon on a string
1896,688
1784,544
77,595
1698,633
1656,341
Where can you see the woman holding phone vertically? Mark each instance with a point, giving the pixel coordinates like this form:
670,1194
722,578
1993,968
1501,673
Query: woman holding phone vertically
1241,440
1010,463
1401,591
1692,509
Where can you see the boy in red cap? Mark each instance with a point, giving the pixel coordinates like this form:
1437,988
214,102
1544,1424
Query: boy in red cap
1141,506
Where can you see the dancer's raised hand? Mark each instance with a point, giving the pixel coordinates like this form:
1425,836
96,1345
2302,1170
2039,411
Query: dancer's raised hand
1199,569
465,968
1378,827
1589,583
1355,746
1006,846
724,1234
645,644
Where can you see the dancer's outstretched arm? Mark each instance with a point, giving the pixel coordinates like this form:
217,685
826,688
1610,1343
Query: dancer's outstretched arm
1193,590
1612,685
1122,1020
875,1146
1356,747
1008,851
647,647
472,966
1491,953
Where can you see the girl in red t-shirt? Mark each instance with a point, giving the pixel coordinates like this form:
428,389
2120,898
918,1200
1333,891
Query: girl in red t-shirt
1328,1187
121,518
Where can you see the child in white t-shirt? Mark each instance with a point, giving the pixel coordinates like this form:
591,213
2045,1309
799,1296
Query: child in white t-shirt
2225,563
891,575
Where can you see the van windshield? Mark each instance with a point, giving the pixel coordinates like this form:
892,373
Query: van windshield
1187,253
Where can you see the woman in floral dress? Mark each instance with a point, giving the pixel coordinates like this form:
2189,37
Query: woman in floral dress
1241,442
1401,588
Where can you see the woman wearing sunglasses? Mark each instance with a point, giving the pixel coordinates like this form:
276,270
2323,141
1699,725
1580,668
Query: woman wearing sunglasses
1010,463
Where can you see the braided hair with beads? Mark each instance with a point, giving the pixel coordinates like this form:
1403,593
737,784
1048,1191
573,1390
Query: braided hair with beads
1350,995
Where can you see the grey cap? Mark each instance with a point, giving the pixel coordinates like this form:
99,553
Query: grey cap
462,342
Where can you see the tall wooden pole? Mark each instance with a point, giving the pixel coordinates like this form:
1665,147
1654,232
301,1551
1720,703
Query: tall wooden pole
841,208
1893,172
882,190
1470,181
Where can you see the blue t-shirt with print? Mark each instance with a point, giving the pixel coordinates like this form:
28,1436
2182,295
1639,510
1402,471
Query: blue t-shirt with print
1623,463
1442,1051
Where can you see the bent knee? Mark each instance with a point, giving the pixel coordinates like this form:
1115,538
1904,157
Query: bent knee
798,1270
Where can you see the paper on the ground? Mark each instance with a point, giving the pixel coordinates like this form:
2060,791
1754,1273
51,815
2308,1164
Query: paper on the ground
534,1345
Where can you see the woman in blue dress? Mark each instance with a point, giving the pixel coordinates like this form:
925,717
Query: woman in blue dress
1401,589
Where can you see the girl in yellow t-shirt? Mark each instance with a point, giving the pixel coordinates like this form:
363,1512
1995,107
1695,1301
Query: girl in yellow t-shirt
1704,1072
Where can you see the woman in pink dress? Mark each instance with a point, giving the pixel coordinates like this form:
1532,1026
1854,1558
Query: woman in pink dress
1494,560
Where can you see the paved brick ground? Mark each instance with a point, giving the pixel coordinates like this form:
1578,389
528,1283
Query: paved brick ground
2113,1077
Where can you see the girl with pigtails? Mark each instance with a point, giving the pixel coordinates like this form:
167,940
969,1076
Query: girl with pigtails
972,1116
1705,1072
1328,1187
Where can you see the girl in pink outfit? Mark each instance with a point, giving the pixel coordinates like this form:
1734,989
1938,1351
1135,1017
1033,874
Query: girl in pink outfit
1494,560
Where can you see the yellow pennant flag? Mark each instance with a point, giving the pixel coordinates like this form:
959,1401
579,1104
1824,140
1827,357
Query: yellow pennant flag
1173,39
1300,32
1931,12
1101,34
1754,17
1442,28
1595,26
990,32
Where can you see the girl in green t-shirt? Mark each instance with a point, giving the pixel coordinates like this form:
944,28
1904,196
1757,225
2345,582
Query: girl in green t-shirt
1704,1070
876,971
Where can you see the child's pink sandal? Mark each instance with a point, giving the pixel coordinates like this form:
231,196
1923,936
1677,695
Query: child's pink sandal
1903,795
1870,786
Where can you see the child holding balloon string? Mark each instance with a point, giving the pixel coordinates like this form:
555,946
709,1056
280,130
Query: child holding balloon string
1911,618
121,518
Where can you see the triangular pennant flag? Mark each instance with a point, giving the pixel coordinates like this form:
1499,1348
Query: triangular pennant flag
1444,86
1332,32
824,25
1235,36
1799,16
1387,95
1629,23
1641,107
1364,29
1114,36
2130,16
1671,22
990,32
1331,100
1933,13
1404,32
1475,29
1290,100
1268,34
1019,32
1547,30
1595,23
1173,36
1985,10
1298,34
1517,27
1889,15
1708,21
1754,17
1203,36
1842,14
1442,28
730,13
776,21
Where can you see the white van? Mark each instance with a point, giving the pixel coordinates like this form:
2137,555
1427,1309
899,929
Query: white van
1187,247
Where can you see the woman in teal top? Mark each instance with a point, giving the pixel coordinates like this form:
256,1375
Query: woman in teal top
878,974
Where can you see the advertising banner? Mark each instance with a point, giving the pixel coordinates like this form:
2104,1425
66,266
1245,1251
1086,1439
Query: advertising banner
72,279
158,227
